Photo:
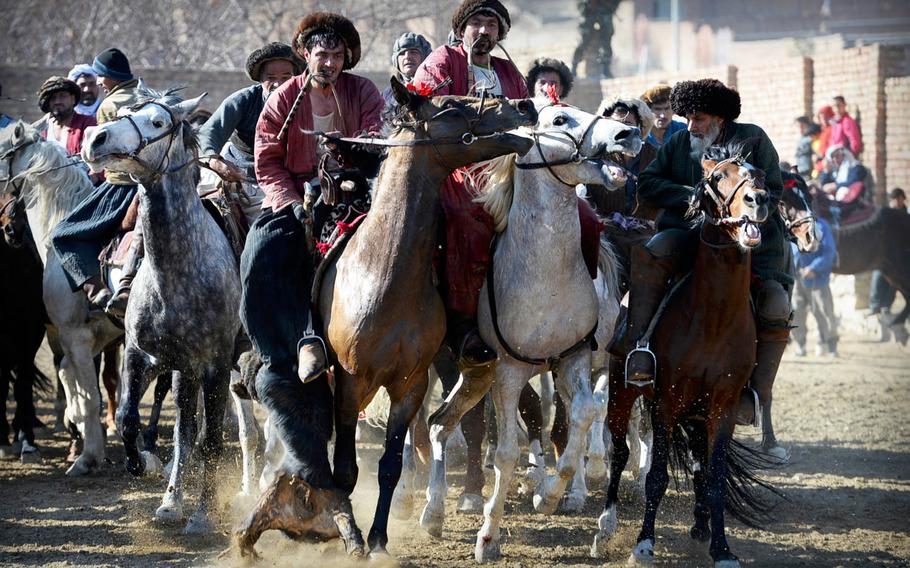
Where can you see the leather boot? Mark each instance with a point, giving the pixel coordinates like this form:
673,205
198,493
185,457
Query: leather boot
464,338
97,293
116,307
769,349
648,285
311,358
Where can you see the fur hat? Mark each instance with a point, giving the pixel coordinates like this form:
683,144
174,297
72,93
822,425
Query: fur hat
705,95
470,7
542,64
271,52
645,116
410,40
657,94
53,85
329,22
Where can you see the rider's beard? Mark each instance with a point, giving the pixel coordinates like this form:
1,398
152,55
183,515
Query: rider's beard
88,99
701,143
61,114
323,77
483,45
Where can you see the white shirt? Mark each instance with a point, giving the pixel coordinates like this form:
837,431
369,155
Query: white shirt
487,79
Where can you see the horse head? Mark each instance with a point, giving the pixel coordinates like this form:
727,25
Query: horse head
732,195
574,145
13,220
466,130
13,162
797,214
148,139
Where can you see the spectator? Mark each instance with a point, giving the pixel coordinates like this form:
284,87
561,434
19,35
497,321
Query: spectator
845,131
545,72
87,80
881,293
897,199
808,134
844,178
57,98
408,53
825,117
813,294
658,100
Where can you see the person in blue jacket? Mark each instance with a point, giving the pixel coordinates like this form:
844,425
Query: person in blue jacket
813,294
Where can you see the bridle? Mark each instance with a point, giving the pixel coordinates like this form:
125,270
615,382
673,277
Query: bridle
799,221
171,133
577,155
708,186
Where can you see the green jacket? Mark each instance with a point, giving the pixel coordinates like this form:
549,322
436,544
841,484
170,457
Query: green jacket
123,95
669,182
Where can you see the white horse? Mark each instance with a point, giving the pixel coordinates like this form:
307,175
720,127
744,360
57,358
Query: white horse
52,184
546,304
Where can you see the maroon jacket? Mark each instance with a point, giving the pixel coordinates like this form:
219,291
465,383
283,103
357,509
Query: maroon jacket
281,173
75,131
452,62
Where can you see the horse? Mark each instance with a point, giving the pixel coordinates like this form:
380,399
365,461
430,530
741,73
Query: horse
52,184
382,316
700,374
182,316
879,242
539,306
23,316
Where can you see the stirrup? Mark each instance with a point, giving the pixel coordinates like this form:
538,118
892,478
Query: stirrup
640,349
756,419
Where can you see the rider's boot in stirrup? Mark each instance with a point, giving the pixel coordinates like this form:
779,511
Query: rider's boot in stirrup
648,285
97,293
312,359
769,349
116,307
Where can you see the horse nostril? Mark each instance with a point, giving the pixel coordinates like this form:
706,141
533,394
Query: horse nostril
99,139
526,106
623,135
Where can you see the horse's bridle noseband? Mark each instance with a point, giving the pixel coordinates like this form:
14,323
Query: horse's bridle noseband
723,203
144,142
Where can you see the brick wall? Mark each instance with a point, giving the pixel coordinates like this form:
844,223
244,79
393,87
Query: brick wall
897,133
637,84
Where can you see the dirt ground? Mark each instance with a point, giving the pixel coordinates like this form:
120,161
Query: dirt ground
845,421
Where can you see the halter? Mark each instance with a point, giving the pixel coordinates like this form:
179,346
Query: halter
144,142
726,218
576,158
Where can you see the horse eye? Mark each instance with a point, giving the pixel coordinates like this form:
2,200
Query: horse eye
560,120
449,105
157,123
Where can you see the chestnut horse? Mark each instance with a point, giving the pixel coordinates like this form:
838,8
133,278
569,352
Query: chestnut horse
701,372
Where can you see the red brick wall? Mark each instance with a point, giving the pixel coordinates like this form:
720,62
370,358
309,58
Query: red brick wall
897,133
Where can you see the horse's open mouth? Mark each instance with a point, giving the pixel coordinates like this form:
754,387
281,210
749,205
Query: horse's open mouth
612,174
749,235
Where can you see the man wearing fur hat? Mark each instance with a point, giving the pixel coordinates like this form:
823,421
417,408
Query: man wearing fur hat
668,183
57,97
234,121
545,72
408,53
277,266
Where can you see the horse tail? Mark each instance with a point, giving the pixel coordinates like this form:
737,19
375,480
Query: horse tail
609,265
41,384
376,414
495,186
743,484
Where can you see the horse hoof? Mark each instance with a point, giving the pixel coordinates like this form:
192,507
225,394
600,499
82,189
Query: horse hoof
150,463
642,554
171,511
599,546
531,480
7,453
701,534
486,550
431,520
470,504
403,506
199,523
729,563
79,468
596,470
381,555
572,503
778,454
544,504
31,457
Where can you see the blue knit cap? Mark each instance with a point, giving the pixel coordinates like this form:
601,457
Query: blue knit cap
113,63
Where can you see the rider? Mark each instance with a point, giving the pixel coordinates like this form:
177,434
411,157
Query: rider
87,80
80,236
227,136
277,263
669,183
57,98
481,25
545,72
408,53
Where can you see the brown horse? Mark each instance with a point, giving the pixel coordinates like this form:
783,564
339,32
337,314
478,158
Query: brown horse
879,242
701,372
382,315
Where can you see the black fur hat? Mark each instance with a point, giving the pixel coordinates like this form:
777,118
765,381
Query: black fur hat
271,52
542,64
324,22
470,7
705,95
53,85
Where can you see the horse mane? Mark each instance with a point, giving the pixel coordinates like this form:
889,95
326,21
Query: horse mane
53,190
495,183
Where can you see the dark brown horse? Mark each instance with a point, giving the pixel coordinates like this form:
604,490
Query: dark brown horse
701,371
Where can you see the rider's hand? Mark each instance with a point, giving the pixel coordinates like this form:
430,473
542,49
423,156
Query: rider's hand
225,169
300,213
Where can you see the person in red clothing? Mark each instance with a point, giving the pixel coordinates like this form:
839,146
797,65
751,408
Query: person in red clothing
820,145
473,70
277,266
844,130
57,97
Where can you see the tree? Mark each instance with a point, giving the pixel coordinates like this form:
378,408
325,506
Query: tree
596,28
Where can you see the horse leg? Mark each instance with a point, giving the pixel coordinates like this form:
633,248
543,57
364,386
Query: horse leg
574,384
348,398
643,441
110,376
559,435
273,455
139,372
510,377
466,394
698,444
150,433
620,406
770,348
529,407
474,426
716,489
403,410
83,399
655,488
6,451
416,449
215,393
248,432
596,469
186,399
24,420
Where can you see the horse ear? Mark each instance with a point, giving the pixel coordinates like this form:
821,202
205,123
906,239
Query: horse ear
143,87
18,133
184,109
403,96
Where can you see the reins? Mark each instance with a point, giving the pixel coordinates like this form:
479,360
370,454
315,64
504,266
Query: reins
726,218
